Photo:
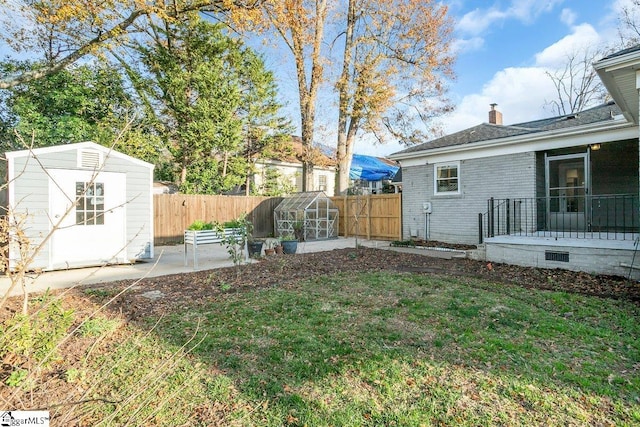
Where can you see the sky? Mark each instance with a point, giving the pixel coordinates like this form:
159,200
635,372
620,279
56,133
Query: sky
504,48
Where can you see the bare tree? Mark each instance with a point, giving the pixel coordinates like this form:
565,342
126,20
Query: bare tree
300,24
396,60
629,24
577,85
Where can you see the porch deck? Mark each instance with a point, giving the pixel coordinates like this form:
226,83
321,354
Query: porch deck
613,217
574,239
587,253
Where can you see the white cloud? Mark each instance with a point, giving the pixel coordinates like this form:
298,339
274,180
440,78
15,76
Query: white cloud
555,56
479,20
465,45
568,17
617,6
520,93
613,19
528,10
472,25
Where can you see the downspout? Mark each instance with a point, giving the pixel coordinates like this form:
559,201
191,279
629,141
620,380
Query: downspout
638,127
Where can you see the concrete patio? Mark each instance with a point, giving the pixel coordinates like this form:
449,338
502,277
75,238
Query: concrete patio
170,260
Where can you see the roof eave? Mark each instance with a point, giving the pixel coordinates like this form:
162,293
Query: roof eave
618,62
529,137
609,69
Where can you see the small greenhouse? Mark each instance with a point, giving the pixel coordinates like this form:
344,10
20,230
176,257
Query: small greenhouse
310,214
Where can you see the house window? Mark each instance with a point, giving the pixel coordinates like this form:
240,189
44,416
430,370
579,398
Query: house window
322,182
89,203
447,178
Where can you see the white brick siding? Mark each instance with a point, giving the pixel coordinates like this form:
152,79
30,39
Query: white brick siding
454,218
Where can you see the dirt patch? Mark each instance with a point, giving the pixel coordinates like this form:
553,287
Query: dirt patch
434,244
182,290
158,295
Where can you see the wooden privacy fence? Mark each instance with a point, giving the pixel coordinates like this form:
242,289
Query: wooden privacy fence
377,216
173,213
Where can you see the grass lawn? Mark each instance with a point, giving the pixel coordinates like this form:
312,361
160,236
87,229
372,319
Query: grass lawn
379,349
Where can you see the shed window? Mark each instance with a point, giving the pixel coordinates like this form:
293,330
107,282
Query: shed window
447,178
89,203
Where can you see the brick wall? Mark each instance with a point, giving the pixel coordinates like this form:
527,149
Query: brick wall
454,218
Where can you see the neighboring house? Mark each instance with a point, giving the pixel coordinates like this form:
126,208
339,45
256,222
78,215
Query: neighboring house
289,170
372,172
396,182
559,192
95,203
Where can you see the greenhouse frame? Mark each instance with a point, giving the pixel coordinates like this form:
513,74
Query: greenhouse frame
312,211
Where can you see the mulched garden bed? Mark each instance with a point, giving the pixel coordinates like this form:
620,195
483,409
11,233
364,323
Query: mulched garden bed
163,294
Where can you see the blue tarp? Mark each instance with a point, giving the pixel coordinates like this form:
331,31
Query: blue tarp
369,168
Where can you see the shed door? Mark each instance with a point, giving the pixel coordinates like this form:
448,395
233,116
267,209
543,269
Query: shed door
93,231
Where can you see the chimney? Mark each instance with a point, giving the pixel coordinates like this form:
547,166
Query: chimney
495,116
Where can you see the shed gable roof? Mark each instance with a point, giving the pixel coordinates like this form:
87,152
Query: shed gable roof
74,147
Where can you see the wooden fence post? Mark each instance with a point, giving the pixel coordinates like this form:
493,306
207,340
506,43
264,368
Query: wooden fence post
400,224
346,215
369,200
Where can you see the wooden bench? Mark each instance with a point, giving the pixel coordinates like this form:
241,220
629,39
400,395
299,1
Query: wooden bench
206,237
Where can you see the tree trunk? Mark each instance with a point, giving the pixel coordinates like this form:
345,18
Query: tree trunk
307,161
344,150
183,175
308,93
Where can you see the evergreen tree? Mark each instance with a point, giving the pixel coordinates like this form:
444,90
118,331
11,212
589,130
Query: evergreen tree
216,101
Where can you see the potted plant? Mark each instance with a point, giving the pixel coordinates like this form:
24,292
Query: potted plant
271,244
289,244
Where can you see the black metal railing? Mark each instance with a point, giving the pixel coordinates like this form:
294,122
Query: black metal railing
611,217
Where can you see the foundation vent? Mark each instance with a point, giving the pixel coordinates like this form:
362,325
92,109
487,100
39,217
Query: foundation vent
556,256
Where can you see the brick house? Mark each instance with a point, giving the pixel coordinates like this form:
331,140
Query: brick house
560,192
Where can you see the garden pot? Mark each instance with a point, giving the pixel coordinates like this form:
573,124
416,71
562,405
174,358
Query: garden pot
255,249
279,249
269,251
289,246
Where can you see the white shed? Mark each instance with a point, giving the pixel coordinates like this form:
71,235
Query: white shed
96,204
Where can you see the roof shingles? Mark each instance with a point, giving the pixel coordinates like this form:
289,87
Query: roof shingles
488,132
